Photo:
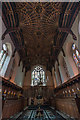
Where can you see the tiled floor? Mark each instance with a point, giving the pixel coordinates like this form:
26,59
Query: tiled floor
48,114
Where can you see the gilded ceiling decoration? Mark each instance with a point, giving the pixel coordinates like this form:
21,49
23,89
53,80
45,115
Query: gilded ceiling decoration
37,35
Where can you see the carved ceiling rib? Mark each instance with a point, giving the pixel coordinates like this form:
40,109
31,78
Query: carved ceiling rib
40,30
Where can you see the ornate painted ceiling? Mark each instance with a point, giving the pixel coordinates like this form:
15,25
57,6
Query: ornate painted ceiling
37,38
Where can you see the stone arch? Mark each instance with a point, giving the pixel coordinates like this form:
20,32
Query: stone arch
9,49
69,57
7,60
44,68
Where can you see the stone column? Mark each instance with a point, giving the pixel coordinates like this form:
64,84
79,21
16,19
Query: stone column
56,79
69,67
62,78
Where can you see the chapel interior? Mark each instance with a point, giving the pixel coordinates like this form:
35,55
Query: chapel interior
40,60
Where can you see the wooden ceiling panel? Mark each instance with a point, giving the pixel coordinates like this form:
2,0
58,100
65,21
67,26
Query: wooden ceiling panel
39,23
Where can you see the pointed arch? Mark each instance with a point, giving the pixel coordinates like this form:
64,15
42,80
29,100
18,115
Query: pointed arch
5,56
37,74
76,55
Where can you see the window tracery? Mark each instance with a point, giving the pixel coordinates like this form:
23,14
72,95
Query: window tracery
38,75
3,55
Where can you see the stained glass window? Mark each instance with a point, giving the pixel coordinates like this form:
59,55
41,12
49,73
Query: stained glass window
73,46
38,75
3,55
76,55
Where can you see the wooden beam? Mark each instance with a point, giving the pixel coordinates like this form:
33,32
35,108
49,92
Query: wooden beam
9,30
69,31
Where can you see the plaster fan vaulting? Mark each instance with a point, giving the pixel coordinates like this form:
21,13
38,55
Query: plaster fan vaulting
37,38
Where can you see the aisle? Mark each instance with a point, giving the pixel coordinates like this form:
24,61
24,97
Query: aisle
48,114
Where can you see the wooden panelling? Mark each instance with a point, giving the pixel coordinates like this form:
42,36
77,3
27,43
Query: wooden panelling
68,106
11,107
34,91
67,97
12,99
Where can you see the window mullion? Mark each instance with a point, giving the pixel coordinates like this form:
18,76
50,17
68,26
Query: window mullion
3,60
1,54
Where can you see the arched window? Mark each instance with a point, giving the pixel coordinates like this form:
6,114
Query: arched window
38,75
76,55
3,55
